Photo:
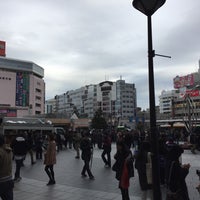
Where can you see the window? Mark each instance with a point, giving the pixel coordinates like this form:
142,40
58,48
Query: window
5,78
38,90
37,105
38,98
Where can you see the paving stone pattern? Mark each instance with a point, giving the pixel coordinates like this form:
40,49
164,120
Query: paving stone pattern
71,186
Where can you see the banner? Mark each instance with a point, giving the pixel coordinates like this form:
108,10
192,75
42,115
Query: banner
2,48
22,89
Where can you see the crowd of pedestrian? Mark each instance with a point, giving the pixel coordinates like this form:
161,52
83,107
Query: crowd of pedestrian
133,151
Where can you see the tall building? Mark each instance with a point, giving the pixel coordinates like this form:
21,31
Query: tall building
184,101
189,95
81,101
106,98
22,88
126,99
166,100
50,106
117,100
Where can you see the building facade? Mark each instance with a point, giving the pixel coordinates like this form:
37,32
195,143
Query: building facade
50,106
184,101
166,100
81,101
117,100
22,88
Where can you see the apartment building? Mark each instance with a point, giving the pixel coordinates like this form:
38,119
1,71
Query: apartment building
166,100
81,101
115,99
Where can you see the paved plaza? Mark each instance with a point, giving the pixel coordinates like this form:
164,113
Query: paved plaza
71,186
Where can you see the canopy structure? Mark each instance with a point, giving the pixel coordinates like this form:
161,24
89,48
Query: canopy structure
25,124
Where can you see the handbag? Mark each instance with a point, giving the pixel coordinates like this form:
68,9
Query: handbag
149,168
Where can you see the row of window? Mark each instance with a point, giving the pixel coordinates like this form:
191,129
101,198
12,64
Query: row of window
5,78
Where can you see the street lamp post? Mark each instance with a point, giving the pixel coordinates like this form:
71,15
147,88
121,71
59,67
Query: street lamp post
148,7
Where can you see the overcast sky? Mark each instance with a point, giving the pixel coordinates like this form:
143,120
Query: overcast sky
81,42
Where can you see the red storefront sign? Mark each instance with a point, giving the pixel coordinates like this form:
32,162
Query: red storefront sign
193,93
2,48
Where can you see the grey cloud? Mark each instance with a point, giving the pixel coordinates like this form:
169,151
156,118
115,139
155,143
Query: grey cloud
84,41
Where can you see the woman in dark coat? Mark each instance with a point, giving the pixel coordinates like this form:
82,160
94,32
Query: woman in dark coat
87,149
123,168
177,174
140,164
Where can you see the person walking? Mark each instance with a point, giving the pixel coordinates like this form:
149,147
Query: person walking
106,150
86,155
76,141
6,182
30,146
123,167
50,158
19,147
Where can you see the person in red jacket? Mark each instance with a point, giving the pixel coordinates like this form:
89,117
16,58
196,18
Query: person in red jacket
123,169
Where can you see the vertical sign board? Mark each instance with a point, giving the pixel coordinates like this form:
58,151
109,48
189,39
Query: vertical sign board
22,89
2,48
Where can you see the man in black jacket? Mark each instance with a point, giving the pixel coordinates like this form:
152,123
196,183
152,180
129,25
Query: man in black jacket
19,147
86,147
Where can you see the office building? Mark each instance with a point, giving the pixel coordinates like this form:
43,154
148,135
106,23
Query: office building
22,88
117,100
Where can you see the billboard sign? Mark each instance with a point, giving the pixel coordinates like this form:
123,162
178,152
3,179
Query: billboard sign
182,81
193,93
22,89
2,48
